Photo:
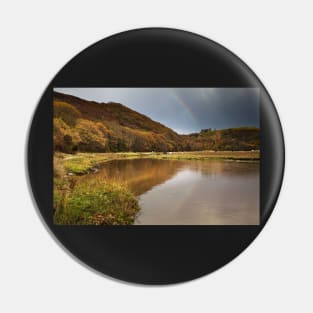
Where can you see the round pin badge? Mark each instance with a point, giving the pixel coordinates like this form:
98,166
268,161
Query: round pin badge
155,156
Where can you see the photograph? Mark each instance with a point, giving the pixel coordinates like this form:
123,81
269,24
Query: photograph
156,156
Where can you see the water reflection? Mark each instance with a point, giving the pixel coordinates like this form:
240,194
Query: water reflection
190,192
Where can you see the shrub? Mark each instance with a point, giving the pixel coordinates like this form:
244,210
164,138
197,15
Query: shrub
61,136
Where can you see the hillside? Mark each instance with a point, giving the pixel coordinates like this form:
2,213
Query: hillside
81,125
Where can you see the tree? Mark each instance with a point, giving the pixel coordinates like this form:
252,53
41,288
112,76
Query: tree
68,144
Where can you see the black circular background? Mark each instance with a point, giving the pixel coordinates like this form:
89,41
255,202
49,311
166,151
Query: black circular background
154,57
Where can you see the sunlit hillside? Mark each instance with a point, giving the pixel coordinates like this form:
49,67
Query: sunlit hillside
87,126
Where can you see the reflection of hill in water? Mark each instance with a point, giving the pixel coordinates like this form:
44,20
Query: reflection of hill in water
141,175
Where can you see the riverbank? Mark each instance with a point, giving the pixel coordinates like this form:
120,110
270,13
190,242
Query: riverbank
100,202
82,163
105,201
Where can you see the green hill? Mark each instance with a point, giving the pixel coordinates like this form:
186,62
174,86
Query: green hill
81,125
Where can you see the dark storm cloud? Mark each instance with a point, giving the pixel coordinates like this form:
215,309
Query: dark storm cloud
185,110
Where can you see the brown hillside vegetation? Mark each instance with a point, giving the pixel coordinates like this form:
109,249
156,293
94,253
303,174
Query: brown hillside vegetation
88,126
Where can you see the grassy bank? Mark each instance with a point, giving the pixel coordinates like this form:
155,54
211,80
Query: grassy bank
97,204
102,202
212,155
82,163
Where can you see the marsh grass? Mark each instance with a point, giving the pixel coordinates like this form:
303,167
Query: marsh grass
98,203
102,201
78,165
212,155
83,163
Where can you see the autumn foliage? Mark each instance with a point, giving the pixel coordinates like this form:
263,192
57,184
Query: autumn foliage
88,126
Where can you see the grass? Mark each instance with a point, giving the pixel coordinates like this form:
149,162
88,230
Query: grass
98,203
83,163
212,155
102,202
78,166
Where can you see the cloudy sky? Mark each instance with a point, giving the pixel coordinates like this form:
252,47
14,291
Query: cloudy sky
185,110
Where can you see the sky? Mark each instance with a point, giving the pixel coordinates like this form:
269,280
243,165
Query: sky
185,110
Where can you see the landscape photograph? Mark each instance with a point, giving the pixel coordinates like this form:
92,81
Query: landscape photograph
156,156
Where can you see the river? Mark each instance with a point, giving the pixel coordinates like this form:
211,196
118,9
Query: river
190,192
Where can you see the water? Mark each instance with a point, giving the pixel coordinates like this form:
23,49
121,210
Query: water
191,192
